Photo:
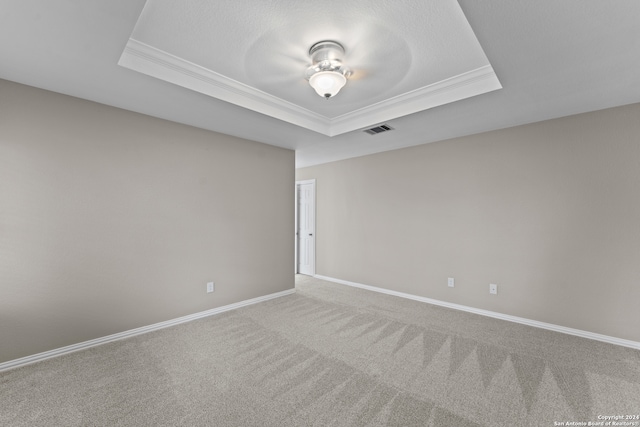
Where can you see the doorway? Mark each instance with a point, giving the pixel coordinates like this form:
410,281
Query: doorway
305,262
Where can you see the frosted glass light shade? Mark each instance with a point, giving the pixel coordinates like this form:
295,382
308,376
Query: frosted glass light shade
327,83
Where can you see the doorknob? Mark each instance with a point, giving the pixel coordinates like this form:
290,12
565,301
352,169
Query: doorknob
310,234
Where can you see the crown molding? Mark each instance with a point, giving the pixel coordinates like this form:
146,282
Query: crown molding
157,63
146,59
456,88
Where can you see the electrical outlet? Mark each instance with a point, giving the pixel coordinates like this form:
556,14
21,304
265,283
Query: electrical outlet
450,282
210,287
493,288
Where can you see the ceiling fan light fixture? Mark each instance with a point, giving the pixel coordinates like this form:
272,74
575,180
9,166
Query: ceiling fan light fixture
327,83
327,75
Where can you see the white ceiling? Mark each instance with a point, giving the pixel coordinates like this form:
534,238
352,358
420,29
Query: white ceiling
255,55
552,59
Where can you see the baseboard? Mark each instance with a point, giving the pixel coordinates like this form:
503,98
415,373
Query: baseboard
509,318
23,361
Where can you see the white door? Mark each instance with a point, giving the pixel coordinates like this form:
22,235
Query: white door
306,227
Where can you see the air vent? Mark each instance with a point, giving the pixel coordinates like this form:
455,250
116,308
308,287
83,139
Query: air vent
378,129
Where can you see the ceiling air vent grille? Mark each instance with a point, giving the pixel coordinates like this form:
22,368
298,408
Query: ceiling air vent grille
378,129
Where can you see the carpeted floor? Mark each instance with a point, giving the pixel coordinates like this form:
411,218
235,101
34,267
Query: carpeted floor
330,355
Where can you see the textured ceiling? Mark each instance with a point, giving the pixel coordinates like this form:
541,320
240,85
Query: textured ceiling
255,55
552,59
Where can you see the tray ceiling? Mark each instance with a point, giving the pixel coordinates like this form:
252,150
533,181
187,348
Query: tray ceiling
254,54
553,58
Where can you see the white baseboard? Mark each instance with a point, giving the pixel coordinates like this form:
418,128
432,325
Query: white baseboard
16,363
509,318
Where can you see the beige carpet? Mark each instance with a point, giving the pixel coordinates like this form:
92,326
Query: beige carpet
330,355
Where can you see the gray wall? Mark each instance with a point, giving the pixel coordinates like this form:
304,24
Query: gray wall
548,211
111,220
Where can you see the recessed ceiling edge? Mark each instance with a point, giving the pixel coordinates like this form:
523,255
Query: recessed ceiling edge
156,63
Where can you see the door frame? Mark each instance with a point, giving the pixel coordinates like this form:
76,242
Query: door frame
295,233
